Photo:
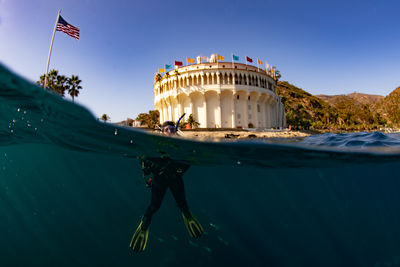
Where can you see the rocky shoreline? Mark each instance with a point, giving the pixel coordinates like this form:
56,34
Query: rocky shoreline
198,134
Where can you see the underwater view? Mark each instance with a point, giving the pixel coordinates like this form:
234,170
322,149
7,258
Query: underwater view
72,193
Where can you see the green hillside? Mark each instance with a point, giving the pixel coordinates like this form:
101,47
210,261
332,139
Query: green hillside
389,107
306,111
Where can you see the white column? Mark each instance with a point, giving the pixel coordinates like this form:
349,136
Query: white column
169,106
267,112
165,112
218,119
254,113
233,109
180,108
245,103
262,112
191,107
204,112
274,113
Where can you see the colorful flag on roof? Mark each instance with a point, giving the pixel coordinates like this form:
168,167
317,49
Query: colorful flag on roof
190,60
161,70
259,61
64,26
236,58
178,63
167,66
220,57
249,59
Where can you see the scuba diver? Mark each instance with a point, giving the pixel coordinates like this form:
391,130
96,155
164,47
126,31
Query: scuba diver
166,173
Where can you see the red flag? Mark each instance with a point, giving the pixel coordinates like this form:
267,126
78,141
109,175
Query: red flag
178,63
249,59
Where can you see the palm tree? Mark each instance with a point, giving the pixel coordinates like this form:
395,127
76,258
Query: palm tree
55,82
176,73
61,84
158,78
74,86
105,117
192,122
167,76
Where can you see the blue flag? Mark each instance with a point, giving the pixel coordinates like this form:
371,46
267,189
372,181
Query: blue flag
168,66
235,57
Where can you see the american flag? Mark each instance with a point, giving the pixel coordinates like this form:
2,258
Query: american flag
64,26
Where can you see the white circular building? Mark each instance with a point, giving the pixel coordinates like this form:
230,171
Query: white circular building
220,95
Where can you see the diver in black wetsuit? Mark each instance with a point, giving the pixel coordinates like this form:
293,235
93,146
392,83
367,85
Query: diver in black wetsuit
166,173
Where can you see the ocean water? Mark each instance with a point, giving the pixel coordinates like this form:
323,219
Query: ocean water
72,193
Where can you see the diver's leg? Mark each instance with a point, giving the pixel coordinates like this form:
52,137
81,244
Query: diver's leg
178,191
140,237
157,194
192,224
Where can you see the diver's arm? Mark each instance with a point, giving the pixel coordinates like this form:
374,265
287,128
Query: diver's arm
147,167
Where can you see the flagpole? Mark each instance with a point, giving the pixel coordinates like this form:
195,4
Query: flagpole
258,69
233,64
51,46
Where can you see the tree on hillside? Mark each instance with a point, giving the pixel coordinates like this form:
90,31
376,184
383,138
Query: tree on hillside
391,106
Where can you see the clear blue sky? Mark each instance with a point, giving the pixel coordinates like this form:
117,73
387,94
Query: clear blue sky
324,47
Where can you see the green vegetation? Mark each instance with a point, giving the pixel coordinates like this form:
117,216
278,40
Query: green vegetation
74,86
390,108
150,119
192,122
105,117
60,84
305,111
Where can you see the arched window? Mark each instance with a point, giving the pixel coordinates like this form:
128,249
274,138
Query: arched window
236,79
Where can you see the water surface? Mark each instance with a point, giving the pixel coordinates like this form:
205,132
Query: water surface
72,194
